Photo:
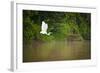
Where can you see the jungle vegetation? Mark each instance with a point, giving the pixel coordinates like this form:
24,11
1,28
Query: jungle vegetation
62,25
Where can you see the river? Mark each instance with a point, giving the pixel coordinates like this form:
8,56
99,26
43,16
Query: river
56,51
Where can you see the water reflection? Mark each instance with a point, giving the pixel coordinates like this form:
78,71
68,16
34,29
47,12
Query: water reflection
56,50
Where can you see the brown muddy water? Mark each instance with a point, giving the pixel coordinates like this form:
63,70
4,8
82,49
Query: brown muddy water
56,51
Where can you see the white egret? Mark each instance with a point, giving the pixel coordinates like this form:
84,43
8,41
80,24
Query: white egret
44,28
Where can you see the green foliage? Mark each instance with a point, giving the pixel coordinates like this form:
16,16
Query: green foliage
46,38
85,27
60,24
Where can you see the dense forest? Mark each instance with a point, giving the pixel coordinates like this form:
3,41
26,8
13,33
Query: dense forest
62,25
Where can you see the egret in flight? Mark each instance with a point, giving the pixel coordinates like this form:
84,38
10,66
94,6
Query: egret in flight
44,28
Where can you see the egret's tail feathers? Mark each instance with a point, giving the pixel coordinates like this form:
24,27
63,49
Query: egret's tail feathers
49,33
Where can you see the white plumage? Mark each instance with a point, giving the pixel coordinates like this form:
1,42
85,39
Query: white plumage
44,28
